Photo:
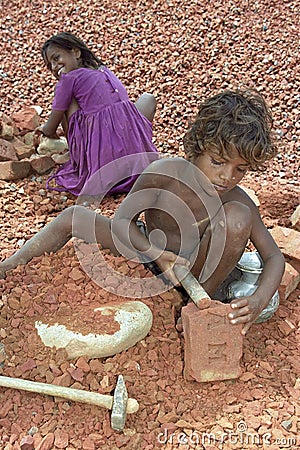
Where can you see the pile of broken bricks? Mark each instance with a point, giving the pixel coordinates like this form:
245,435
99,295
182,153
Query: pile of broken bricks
19,155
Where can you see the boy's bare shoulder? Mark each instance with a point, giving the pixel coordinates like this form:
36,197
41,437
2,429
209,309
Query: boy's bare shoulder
166,166
239,194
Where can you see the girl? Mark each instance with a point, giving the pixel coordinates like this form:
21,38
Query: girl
101,124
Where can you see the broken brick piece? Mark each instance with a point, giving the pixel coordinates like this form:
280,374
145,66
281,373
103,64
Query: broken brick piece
289,282
288,240
212,345
42,164
7,151
14,170
295,218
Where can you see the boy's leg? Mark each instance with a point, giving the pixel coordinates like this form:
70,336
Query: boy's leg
146,104
72,222
236,233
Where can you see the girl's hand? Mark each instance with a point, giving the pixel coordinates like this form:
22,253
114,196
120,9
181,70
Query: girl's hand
38,132
246,310
166,263
41,131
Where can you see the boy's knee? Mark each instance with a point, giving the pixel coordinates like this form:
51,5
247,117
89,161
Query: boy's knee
238,218
67,216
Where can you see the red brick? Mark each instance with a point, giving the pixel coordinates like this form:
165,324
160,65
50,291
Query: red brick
14,170
27,119
46,443
212,346
22,150
7,151
288,241
27,443
295,219
289,282
286,326
7,128
42,164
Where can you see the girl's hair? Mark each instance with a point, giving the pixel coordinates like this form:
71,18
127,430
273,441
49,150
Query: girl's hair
68,41
237,119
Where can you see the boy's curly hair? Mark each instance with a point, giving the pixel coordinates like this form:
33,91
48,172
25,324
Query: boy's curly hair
233,119
68,41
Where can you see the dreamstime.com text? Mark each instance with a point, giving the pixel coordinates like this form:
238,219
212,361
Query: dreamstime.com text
239,436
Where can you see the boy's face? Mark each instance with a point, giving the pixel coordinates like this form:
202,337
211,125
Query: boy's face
223,172
60,60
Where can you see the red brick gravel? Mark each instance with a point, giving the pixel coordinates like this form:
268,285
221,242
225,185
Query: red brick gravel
181,51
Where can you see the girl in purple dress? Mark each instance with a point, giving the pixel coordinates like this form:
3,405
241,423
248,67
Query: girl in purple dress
109,137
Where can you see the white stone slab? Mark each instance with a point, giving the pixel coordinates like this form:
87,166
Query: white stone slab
135,322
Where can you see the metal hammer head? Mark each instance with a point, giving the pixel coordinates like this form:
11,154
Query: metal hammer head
118,413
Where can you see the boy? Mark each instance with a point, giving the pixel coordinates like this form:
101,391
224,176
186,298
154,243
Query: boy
195,213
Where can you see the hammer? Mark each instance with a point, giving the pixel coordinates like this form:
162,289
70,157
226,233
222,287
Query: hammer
119,403
192,286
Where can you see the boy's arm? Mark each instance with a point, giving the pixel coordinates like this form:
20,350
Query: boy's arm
247,309
128,237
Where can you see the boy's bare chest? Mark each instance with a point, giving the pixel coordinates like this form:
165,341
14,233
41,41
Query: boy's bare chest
180,204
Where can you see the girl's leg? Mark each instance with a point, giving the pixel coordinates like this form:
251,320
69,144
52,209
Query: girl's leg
211,267
72,222
146,104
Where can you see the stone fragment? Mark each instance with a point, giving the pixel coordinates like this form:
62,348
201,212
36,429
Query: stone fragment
76,274
286,326
42,164
29,138
61,439
7,131
88,444
7,128
7,151
133,320
288,240
27,443
22,150
289,282
27,119
50,146
28,365
212,346
295,218
60,158
287,424
14,170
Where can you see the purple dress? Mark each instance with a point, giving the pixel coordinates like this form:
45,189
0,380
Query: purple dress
110,141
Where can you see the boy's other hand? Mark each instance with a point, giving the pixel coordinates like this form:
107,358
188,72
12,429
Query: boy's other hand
245,310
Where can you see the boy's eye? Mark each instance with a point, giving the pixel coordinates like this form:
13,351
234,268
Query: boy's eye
217,163
242,169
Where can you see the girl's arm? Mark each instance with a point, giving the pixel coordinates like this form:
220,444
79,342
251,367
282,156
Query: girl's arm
50,127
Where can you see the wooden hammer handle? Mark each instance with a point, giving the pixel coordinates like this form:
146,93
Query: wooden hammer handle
192,286
77,395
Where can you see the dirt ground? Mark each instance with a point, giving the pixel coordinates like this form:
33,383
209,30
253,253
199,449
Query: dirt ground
181,51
